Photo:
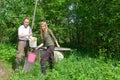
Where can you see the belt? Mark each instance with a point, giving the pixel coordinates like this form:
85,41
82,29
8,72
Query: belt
22,40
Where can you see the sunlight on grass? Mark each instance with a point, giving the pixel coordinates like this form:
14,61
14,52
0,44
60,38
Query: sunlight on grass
73,67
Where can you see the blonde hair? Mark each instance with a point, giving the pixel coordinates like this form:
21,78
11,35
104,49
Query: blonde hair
46,28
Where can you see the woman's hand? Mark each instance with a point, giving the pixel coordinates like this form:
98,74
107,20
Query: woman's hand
57,43
36,48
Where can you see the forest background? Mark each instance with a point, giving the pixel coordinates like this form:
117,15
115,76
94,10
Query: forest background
81,24
89,27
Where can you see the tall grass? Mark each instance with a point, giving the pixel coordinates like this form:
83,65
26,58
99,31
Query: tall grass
73,67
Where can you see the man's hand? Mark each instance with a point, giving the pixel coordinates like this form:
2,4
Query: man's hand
30,34
24,35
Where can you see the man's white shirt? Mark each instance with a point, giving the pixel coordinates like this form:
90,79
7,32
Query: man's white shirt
24,30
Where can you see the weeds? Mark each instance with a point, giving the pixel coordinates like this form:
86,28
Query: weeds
72,67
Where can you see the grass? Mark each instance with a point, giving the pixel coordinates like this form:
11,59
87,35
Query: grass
73,67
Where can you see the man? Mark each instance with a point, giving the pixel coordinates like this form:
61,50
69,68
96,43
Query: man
24,32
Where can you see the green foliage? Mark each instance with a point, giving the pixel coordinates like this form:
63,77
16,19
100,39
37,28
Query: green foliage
7,52
73,67
96,26
91,25
12,14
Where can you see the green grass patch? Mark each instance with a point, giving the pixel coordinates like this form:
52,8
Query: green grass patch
73,67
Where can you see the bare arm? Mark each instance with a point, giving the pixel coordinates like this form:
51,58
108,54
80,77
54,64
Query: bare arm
53,36
24,35
57,43
39,46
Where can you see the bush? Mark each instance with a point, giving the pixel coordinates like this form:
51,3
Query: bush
7,52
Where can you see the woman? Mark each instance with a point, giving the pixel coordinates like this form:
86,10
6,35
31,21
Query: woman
48,40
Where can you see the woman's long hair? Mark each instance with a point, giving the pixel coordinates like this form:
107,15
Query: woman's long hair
43,31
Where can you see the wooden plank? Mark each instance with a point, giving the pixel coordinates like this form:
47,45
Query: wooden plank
62,49
57,49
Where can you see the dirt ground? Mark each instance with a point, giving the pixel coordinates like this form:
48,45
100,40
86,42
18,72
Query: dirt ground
4,73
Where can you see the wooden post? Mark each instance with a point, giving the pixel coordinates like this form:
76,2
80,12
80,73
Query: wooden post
34,14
